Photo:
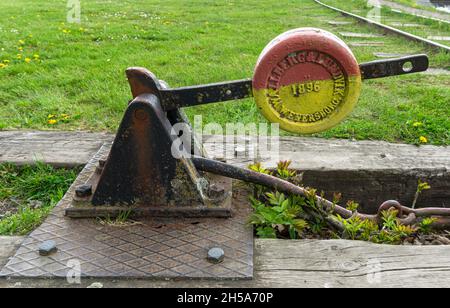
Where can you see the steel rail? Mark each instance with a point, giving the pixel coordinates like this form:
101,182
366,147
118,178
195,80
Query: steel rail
388,28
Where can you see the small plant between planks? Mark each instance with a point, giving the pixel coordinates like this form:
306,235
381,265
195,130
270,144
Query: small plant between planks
288,216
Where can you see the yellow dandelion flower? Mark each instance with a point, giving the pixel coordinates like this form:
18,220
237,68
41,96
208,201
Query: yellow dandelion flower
65,116
36,57
21,42
27,60
51,116
19,56
66,31
423,139
6,61
52,121
2,65
417,124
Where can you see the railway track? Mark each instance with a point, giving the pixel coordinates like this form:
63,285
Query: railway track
389,29
415,12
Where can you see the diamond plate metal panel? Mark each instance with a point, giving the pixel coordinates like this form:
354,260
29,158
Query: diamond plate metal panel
151,248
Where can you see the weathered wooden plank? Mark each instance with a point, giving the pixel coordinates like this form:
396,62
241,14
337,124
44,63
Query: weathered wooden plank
340,154
339,263
61,149
56,147
316,263
369,172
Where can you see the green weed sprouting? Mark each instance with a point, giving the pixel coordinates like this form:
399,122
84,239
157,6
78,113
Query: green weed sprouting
425,225
277,215
421,186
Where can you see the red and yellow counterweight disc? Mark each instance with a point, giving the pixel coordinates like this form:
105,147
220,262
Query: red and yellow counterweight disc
307,80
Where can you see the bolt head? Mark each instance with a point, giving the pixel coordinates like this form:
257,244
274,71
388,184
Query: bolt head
216,191
83,191
47,248
215,255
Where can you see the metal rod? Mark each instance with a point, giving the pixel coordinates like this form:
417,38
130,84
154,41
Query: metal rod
407,216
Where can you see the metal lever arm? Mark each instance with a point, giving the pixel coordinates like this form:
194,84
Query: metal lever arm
393,67
239,89
205,94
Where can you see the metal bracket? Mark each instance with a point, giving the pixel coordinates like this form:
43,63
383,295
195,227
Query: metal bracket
145,174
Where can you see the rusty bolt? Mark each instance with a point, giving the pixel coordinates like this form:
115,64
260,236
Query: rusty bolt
83,191
140,114
216,191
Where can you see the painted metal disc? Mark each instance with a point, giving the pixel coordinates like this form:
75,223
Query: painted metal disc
307,80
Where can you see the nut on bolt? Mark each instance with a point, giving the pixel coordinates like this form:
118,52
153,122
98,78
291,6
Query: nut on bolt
216,191
83,191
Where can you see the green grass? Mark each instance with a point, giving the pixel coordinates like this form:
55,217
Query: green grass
79,77
24,187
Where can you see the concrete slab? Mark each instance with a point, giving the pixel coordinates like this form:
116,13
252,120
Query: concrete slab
406,25
366,44
359,35
340,23
388,55
438,38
